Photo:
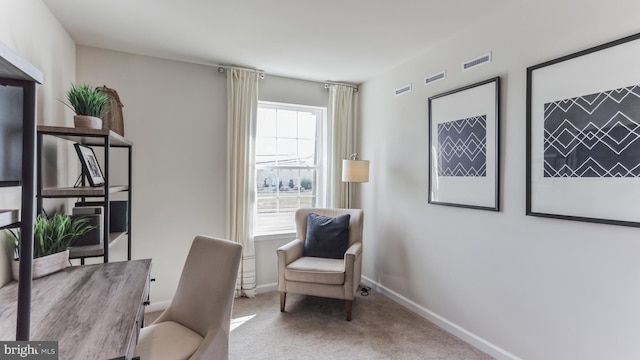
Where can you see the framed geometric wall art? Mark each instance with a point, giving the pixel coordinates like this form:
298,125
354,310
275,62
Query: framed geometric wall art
583,135
464,164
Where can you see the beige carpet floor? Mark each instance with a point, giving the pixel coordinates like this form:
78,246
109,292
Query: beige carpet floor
315,328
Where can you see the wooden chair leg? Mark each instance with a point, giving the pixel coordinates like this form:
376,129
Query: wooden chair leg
349,304
283,299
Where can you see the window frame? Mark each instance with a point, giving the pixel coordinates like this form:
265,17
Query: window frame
321,169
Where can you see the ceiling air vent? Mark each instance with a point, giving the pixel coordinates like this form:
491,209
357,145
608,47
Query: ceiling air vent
402,90
435,77
486,58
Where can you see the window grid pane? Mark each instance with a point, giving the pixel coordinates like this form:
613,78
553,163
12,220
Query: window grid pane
287,163
281,191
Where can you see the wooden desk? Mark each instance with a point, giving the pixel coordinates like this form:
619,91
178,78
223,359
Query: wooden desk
93,311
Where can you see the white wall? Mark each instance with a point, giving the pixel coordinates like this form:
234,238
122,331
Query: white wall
29,28
292,91
532,287
175,115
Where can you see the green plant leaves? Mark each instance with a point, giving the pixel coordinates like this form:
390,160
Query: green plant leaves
54,234
86,100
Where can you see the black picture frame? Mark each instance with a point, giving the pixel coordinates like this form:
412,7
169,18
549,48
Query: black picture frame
90,166
464,146
583,135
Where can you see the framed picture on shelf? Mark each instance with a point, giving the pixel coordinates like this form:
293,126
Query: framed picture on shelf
583,135
90,167
464,146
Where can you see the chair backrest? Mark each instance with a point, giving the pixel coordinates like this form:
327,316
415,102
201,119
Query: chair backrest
204,297
355,222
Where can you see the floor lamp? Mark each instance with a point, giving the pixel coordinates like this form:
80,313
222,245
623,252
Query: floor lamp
354,171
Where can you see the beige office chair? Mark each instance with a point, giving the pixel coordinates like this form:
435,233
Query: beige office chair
196,323
332,278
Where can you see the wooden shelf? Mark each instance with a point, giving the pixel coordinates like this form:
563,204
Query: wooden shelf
86,136
11,226
85,191
14,67
9,218
77,252
106,139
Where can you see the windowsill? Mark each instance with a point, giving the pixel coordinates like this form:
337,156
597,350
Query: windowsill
274,236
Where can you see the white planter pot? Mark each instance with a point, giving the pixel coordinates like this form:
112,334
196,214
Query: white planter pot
45,265
89,122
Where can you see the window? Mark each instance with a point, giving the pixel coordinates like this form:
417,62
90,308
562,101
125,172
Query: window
290,168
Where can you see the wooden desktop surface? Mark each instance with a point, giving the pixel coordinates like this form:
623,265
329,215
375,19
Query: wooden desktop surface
91,310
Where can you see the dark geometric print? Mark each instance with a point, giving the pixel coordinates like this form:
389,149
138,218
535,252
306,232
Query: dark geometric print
594,135
462,147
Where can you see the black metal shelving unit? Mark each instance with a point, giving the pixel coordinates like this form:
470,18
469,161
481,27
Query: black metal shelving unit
19,73
108,140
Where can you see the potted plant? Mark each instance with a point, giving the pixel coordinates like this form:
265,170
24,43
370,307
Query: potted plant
88,103
52,238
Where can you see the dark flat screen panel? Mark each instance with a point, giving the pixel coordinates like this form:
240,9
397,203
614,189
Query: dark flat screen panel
11,106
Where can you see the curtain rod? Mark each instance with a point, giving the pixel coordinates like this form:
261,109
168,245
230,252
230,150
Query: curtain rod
223,68
328,83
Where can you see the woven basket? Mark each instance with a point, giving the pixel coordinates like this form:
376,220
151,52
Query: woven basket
112,118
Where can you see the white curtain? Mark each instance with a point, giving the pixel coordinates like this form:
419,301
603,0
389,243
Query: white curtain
342,112
242,104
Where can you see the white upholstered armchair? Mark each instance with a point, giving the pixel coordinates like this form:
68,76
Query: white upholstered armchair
337,277
196,324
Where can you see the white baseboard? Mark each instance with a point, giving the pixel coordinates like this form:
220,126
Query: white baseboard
266,288
157,306
163,305
469,337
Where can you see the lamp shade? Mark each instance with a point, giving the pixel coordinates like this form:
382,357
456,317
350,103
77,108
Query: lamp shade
355,170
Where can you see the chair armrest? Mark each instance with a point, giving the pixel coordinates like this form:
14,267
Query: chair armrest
353,250
353,269
290,252
287,254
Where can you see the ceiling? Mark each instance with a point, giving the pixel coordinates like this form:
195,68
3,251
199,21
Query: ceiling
337,40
